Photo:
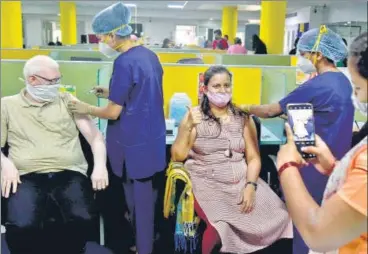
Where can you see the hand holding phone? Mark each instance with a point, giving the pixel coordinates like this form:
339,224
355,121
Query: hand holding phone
325,160
301,121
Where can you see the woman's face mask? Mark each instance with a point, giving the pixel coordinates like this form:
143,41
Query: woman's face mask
220,100
105,49
306,65
43,93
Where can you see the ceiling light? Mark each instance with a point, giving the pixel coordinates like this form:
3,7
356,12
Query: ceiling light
177,6
131,5
59,14
254,21
249,7
174,6
211,18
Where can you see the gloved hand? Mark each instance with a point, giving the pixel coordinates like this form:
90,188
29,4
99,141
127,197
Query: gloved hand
80,107
101,92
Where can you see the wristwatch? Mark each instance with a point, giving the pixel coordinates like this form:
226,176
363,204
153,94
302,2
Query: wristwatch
252,183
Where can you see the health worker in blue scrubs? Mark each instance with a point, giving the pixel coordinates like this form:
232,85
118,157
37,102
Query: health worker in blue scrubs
330,94
136,134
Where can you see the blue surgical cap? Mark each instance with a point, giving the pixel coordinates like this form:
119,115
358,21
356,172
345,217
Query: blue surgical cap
331,44
115,19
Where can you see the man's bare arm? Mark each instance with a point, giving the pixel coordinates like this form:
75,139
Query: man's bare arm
94,138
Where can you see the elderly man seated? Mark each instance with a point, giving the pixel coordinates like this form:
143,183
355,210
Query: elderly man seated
46,165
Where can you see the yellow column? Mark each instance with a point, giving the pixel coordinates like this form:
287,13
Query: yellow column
273,15
11,24
230,22
68,23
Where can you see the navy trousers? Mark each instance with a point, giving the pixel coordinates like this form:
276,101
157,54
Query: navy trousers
28,210
140,197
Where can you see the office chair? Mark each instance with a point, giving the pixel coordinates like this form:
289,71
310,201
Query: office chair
268,170
190,61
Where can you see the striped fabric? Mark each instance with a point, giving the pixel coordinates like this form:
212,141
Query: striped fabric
219,175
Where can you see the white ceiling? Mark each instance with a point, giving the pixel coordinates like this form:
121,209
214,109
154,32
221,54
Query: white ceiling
191,5
193,9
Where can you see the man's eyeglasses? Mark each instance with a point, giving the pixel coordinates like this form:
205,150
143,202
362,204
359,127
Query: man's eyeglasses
50,81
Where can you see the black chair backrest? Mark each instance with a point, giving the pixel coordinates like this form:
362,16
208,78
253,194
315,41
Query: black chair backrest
86,59
360,135
257,122
190,61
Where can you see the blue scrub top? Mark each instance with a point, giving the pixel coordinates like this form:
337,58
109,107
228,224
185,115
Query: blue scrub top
138,137
330,94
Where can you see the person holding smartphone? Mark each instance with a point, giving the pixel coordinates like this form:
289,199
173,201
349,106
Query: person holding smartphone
330,95
339,225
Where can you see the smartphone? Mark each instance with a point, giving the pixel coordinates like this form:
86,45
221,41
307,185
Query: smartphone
301,121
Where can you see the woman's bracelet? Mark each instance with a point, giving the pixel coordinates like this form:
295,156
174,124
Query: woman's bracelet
288,165
255,185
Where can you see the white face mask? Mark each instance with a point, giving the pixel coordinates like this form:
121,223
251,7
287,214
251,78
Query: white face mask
43,93
306,65
360,106
105,49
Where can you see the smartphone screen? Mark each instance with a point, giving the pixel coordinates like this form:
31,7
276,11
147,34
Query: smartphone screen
301,121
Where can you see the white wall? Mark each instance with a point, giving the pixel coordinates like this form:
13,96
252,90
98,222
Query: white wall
349,12
81,29
333,13
157,24
318,16
291,27
156,28
33,32
303,16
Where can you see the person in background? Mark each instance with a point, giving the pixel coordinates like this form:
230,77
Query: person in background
205,42
51,43
237,48
339,225
135,39
58,43
293,51
220,146
45,165
329,93
259,47
209,44
166,43
226,37
219,42
136,124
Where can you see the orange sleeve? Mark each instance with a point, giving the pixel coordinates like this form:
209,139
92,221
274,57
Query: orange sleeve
354,190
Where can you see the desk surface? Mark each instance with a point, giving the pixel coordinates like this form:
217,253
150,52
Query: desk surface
272,132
